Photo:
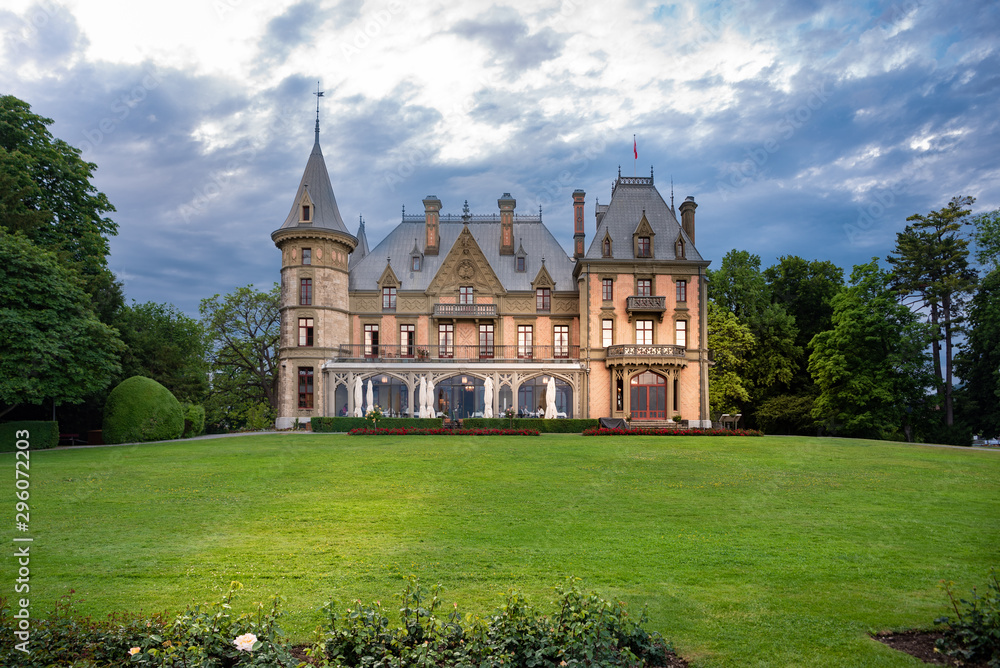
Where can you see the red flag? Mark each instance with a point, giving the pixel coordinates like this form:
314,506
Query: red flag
635,150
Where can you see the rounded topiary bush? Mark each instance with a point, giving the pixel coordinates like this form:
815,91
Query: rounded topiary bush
140,409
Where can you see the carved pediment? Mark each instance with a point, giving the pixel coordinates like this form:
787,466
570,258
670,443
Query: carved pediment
388,277
465,264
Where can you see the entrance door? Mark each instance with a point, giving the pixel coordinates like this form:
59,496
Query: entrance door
649,396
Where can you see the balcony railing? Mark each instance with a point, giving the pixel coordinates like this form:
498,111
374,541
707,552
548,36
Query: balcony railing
646,303
457,353
629,350
465,310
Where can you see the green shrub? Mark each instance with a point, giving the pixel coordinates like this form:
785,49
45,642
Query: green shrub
950,435
345,424
41,434
539,424
584,630
974,634
140,409
194,420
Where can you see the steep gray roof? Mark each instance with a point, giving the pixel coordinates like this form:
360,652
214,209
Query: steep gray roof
529,231
630,198
316,179
361,249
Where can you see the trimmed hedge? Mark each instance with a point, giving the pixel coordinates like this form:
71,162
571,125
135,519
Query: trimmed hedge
539,424
42,434
140,409
345,424
194,420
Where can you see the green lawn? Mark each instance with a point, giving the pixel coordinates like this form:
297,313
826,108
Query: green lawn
748,551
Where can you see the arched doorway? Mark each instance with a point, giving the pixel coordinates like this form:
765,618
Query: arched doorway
531,397
459,396
649,396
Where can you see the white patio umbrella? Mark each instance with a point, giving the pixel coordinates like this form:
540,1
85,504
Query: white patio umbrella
488,398
357,398
370,395
431,410
423,397
550,399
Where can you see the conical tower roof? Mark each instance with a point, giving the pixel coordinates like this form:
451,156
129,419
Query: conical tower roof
315,189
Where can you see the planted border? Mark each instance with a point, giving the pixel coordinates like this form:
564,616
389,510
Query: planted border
342,424
672,432
440,431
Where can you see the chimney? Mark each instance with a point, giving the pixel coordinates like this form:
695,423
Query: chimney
432,214
687,216
507,204
578,234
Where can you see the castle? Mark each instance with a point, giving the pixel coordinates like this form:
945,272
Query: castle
455,301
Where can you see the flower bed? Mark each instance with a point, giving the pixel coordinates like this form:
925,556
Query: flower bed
440,431
672,432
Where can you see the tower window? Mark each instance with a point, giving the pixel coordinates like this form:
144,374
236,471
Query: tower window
306,213
306,292
305,387
307,256
305,331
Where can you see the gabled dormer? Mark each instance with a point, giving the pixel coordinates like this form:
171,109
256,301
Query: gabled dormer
306,208
607,245
388,285
520,258
642,239
416,258
680,252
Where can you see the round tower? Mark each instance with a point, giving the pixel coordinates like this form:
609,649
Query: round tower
315,246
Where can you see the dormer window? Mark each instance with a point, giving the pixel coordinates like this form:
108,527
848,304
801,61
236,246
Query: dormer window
643,247
519,263
306,213
415,263
679,249
606,247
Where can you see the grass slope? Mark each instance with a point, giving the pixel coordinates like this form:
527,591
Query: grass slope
760,551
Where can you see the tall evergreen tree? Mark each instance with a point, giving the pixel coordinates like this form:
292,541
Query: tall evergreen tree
978,363
931,264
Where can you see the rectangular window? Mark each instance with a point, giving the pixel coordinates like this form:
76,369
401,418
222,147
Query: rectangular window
643,247
607,332
305,387
406,340
607,289
388,298
682,291
485,341
371,340
415,263
644,332
560,341
524,342
543,299
305,331
305,213
307,256
519,265
681,332
465,295
446,340
306,292
644,287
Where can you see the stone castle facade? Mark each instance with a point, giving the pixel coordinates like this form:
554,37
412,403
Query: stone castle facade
454,301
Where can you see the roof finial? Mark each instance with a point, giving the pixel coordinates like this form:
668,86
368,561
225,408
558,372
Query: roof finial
318,95
539,213
619,171
672,196
465,212
404,211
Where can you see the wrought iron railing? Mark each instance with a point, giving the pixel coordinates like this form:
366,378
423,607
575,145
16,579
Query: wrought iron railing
655,303
632,350
457,353
465,310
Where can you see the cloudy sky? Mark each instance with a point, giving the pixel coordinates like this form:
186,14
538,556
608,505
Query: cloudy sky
806,128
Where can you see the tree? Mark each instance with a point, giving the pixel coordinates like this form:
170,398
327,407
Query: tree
47,195
164,344
54,347
738,285
243,330
872,366
978,364
986,232
931,262
806,290
731,343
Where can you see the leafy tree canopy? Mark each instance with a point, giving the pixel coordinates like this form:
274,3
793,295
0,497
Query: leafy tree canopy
54,347
978,364
806,290
987,236
164,344
46,194
732,344
873,364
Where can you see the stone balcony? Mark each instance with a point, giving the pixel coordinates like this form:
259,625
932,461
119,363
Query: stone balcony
636,355
636,305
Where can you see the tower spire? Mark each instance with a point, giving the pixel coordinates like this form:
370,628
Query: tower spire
318,95
672,210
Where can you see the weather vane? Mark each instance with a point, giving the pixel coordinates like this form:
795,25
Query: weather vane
318,95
